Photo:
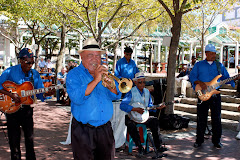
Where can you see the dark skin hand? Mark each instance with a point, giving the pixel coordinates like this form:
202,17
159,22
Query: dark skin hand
141,110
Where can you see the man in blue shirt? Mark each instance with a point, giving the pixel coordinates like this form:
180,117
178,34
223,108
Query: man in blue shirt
91,106
126,67
24,116
140,94
205,71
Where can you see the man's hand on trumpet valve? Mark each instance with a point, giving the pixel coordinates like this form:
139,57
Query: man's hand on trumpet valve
98,73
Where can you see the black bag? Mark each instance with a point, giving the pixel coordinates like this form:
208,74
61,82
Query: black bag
173,121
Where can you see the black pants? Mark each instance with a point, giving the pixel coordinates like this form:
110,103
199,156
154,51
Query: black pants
151,123
238,86
22,118
214,103
90,143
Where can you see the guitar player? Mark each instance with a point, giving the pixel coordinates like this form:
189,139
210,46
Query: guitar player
205,71
24,116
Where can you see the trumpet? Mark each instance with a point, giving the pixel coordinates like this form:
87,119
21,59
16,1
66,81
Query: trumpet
125,84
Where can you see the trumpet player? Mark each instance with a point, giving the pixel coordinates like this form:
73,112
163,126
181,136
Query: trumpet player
91,106
140,94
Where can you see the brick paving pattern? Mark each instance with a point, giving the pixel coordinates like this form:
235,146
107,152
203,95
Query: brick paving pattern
51,126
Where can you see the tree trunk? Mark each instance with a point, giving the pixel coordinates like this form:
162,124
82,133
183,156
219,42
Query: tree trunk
37,54
115,56
202,47
176,29
150,59
62,49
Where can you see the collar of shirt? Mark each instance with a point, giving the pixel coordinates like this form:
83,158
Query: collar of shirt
140,91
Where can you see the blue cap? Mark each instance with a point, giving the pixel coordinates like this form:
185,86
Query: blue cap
210,48
26,53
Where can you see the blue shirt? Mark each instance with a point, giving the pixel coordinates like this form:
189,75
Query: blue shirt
124,106
15,74
42,64
205,72
96,108
125,69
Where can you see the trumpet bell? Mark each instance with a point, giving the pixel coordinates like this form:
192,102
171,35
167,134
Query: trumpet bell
125,85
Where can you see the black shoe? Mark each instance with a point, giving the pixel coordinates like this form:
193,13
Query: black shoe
197,145
140,152
218,145
162,149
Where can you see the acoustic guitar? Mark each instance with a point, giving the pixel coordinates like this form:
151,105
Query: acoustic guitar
25,91
206,94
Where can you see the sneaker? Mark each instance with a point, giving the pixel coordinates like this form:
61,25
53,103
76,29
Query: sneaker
238,136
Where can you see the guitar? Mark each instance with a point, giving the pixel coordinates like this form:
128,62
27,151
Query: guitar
205,95
142,118
24,90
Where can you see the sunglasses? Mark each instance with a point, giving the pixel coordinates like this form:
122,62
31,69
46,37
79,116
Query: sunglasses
140,82
28,63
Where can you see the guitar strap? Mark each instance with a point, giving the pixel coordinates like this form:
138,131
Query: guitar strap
218,67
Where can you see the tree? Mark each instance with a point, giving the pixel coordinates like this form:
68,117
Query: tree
198,22
10,30
175,9
112,19
49,45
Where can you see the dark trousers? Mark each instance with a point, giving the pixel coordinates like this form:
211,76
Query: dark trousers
22,118
90,143
151,123
214,103
238,87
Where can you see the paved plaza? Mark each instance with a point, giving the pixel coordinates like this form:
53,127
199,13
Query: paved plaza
51,126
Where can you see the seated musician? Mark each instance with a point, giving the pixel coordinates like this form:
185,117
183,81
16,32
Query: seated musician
140,94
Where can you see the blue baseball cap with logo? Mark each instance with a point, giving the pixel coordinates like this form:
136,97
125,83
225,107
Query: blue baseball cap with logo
26,53
210,48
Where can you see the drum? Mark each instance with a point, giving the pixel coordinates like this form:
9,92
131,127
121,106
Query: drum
137,117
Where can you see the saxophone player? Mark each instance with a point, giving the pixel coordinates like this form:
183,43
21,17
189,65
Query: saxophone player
91,106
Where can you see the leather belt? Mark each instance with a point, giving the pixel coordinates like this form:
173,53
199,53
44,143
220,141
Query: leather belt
91,126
